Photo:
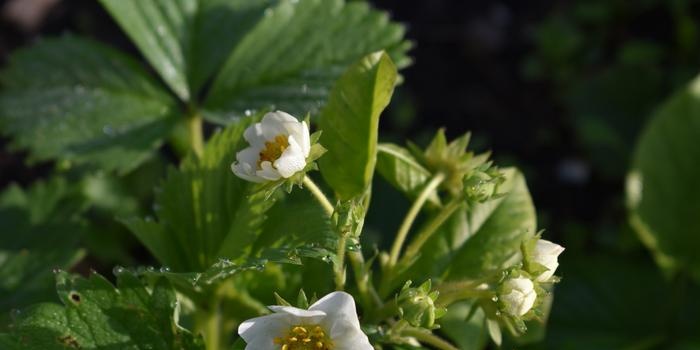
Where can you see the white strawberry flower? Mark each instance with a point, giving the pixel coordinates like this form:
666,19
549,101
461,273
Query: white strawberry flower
546,254
279,146
329,324
520,296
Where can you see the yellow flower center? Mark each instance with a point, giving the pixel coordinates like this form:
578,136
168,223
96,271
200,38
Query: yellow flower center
305,337
273,149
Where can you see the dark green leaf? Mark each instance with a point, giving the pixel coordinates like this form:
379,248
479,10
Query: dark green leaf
78,100
607,303
294,54
37,234
205,213
663,188
297,226
187,40
350,123
96,315
403,171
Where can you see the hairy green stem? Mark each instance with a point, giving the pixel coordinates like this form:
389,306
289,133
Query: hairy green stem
428,338
342,240
208,324
453,292
423,235
316,192
196,136
407,223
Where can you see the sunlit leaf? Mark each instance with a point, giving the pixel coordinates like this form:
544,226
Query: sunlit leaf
350,123
293,55
403,171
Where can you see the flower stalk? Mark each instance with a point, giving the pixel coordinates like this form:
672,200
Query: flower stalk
196,138
411,217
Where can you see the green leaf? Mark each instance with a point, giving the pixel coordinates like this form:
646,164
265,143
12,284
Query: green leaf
350,123
205,213
96,315
465,326
403,171
186,40
475,243
296,227
663,186
496,229
599,305
293,55
78,100
193,283
38,233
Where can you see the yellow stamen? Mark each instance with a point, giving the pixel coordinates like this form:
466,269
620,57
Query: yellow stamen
273,149
305,337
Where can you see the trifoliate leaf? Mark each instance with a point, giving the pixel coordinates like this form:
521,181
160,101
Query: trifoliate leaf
297,50
187,40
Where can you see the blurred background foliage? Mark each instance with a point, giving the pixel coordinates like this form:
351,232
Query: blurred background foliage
560,89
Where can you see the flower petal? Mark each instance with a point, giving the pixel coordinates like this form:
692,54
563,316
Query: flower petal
341,322
272,124
298,313
300,131
292,159
259,333
267,172
255,136
245,172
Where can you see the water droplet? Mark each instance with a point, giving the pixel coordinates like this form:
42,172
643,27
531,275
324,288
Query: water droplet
327,258
494,299
108,130
164,269
248,112
498,313
56,270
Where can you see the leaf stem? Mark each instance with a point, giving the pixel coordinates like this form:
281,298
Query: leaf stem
342,240
208,323
196,138
428,338
407,223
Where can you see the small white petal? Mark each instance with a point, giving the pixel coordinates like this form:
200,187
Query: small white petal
257,331
521,298
272,124
300,131
342,323
245,172
546,254
298,313
255,136
292,159
267,172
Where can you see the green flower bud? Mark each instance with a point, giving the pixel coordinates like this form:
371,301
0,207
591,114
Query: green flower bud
482,184
417,305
